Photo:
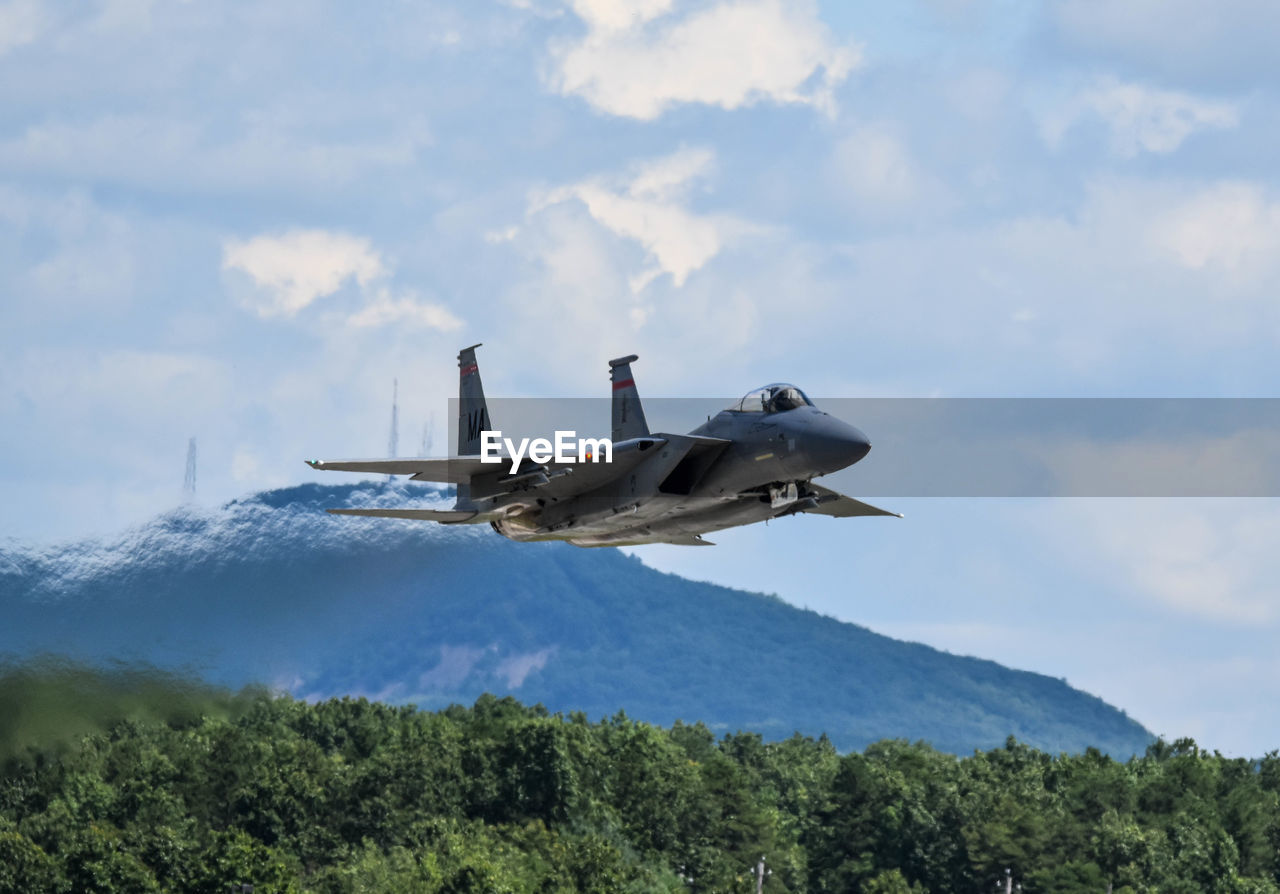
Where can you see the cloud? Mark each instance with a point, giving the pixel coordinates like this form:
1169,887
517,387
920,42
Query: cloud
1221,699
1230,227
384,308
618,15
516,668
648,206
638,59
576,288
1142,286
134,384
882,180
1140,118
1211,559
84,258
455,665
278,149
1225,41
244,465
21,22
293,270
606,257
117,402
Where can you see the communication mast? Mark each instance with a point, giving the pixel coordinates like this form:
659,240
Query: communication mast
428,435
189,480
393,442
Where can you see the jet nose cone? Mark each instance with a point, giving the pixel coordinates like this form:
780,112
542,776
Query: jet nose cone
837,444
859,445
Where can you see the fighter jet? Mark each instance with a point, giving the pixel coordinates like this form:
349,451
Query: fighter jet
753,461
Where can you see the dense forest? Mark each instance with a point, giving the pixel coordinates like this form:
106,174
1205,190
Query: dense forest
130,782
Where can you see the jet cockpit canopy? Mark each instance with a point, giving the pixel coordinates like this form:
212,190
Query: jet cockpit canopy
773,398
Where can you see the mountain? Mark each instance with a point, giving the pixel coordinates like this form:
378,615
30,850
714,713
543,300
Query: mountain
271,589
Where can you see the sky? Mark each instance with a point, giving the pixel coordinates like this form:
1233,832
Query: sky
240,222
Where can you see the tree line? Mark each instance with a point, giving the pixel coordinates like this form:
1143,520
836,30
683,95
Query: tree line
351,796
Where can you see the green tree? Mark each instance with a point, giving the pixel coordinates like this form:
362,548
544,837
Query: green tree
24,866
236,857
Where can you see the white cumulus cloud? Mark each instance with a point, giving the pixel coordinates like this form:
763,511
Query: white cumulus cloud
384,308
1140,118
649,206
615,15
292,270
637,59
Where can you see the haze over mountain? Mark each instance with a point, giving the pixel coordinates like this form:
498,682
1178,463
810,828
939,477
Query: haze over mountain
271,589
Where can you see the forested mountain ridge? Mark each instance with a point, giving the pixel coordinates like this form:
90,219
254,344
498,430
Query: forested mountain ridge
270,589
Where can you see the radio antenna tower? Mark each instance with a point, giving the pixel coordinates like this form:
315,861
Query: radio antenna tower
428,435
189,480
393,442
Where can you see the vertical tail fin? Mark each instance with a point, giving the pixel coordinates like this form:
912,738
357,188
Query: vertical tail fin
473,414
628,415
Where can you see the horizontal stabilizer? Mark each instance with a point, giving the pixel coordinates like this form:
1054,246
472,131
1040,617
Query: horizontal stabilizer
839,506
444,516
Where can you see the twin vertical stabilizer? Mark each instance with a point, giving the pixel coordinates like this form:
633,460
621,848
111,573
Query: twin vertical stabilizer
628,415
473,414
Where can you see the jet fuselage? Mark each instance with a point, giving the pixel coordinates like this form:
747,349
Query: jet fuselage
753,461
757,475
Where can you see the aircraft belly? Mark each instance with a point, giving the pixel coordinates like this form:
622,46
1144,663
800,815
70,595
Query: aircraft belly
659,527
726,515
653,510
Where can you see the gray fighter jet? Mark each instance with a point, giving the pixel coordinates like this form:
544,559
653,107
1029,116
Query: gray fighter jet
754,461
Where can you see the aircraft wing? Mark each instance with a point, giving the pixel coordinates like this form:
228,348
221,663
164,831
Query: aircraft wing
558,480
839,506
444,516
454,470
